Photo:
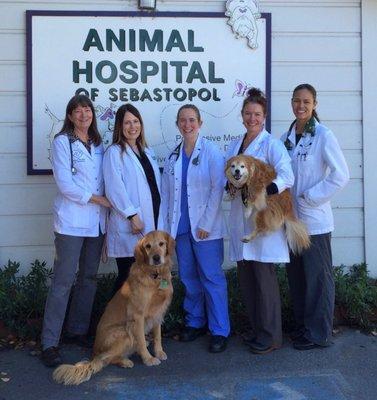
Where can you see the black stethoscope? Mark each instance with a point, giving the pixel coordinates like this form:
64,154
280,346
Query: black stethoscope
176,152
73,169
304,148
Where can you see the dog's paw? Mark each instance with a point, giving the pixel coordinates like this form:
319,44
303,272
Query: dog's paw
126,363
161,355
247,213
151,361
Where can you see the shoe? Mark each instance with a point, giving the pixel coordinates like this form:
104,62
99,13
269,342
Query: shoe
190,333
297,334
217,344
248,338
302,343
51,357
259,348
79,340
249,341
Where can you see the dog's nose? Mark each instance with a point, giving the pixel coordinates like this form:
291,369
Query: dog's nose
156,258
237,171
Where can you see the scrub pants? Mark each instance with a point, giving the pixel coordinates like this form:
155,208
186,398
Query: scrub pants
312,287
260,293
200,269
71,251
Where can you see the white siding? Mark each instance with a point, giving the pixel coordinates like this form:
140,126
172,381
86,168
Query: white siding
318,42
369,34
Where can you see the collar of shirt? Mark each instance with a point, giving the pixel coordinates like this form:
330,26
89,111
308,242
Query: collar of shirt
73,137
309,129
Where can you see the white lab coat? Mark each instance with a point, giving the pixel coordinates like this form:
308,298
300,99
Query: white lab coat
270,248
73,214
128,191
205,185
320,171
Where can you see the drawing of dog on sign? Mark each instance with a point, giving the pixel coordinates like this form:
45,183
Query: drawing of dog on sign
243,15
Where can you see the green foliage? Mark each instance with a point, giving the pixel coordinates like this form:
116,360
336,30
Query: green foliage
356,297
286,305
22,299
174,318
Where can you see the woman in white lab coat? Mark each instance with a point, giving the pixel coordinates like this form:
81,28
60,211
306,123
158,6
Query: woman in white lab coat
255,260
192,188
132,184
320,172
79,225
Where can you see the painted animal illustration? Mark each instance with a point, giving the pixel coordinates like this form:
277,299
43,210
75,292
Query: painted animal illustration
242,18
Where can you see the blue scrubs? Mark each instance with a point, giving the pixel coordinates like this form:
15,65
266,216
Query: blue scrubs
200,270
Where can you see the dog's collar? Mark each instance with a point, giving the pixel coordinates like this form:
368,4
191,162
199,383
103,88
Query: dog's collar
155,275
163,282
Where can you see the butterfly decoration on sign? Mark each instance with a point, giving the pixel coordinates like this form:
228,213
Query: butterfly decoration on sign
106,113
241,88
243,15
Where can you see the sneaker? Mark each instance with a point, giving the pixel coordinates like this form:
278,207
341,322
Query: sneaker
217,344
190,333
304,344
50,357
259,348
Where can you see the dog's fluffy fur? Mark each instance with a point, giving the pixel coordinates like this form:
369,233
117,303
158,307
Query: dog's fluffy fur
251,177
137,308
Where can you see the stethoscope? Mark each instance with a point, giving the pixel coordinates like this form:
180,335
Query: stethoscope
175,153
73,169
304,148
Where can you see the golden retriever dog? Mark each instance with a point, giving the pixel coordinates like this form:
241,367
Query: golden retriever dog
136,309
251,177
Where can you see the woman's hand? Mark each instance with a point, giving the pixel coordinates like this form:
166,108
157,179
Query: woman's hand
137,224
202,234
100,200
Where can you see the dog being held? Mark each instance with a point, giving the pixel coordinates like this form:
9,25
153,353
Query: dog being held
251,177
136,309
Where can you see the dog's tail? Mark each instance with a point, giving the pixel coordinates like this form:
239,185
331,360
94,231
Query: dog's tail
78,373
297,235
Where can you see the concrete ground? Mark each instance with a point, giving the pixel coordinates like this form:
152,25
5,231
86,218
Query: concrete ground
347,370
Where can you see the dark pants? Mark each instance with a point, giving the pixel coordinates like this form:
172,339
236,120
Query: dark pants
71,252
124,266
312,287
260,292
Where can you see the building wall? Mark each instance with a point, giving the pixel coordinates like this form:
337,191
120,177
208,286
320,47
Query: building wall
317,42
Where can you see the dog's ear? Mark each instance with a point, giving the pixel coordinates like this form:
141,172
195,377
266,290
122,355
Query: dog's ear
267,173
139,252
226,170
170,244
251,169
262,174
228,164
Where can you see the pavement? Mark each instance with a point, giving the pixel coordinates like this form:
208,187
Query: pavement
346,370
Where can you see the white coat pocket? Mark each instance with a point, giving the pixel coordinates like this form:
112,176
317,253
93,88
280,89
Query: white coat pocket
118,223
73,215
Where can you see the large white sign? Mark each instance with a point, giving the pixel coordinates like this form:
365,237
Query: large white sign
157,63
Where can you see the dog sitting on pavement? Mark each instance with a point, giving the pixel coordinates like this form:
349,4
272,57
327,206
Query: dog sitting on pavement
136,309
